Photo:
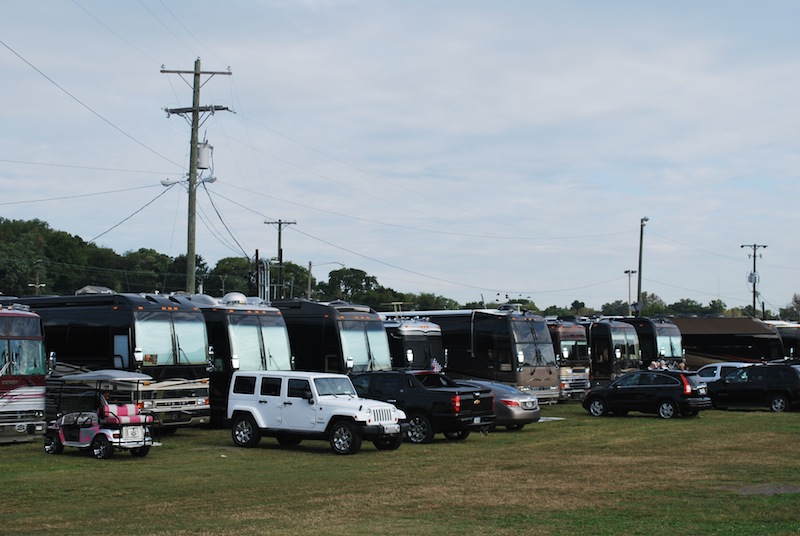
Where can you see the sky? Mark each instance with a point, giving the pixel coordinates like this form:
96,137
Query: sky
470,149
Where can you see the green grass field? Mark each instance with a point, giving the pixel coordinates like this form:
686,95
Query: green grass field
734,472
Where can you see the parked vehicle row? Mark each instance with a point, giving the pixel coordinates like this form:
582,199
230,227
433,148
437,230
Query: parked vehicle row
774,385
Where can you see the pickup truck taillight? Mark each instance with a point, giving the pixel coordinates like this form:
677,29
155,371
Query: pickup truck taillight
456,403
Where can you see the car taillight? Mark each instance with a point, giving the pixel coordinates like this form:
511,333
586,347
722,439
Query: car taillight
687,389
510,403
456,401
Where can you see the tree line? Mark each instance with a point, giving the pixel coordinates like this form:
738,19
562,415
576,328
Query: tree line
35,259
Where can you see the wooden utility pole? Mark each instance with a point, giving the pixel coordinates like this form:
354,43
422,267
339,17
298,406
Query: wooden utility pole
194,111
754,275
280,224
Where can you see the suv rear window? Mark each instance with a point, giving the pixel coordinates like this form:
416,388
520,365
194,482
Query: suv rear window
693,379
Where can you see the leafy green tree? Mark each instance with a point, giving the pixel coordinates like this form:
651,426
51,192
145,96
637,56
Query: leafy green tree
555,310
687,307
347,284
231,274
615,308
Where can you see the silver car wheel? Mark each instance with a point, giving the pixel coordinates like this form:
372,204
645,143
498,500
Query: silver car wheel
666,410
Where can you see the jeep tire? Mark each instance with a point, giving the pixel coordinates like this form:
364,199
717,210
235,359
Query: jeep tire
344,437
245,432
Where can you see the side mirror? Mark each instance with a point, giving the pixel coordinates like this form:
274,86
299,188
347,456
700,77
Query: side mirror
308,395
409,356
617,353
349,363
235,362
51,362
565,353
138,356
520,357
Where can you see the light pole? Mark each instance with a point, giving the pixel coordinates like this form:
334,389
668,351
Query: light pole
642,223
310,264
630,273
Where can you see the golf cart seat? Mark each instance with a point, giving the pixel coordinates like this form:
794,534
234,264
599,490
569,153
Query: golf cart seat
123,414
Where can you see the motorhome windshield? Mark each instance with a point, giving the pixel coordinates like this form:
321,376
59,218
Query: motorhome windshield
533,340
668,340
158,332
626,342
260,342
366,343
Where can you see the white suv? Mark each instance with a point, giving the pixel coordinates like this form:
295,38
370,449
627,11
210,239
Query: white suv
292,406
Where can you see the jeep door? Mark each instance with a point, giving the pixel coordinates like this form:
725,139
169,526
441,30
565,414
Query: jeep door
269,401
299,411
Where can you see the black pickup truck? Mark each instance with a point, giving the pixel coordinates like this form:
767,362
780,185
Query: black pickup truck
432,402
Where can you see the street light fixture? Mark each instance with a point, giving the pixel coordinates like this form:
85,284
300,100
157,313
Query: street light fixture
192,182
640,305
310,264
630,273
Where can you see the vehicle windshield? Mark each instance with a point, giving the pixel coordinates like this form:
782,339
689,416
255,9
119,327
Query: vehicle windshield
624,339
334,386
577,351
260,342
668,339
427,349
21,357
366,342
533,340
156,331
18,355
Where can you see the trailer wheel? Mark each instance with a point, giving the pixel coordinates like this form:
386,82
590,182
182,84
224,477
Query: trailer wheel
101,447
52,443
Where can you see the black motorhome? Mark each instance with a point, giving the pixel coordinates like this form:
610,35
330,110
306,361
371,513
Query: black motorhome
506,345
246,334
414,343
335,336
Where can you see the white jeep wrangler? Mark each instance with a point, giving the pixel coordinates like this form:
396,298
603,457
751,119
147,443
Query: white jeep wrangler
292,406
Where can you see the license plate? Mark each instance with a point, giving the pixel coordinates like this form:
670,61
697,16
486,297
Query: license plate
133,433
476,420
702,390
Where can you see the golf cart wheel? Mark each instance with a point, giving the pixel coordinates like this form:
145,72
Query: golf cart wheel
52,443
140,452
102,447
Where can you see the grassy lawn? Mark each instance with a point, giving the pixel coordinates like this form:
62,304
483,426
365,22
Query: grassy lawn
724,472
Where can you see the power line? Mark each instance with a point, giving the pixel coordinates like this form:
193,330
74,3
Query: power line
86,106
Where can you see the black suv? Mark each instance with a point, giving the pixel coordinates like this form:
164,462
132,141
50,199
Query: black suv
774,385
665,392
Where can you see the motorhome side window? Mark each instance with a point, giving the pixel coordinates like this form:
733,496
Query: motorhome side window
244,385
298,387
270,386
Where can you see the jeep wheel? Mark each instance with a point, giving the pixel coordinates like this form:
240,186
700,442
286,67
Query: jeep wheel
597,407
101,447
245,432
388,442
667,409
778,403
461,435
344,438
420,429
52,443
140,452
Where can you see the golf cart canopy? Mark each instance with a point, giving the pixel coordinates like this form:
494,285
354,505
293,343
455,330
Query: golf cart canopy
106,375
